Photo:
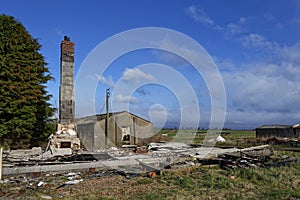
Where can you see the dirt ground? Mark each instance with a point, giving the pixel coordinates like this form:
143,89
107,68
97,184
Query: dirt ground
188,182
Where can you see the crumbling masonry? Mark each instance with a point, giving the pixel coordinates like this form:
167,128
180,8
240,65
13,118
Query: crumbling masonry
66,90
66,135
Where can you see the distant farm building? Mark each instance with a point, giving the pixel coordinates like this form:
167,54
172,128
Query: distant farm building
124,128
281,131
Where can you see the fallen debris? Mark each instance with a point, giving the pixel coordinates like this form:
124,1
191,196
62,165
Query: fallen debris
130,164
168,146
65,137
46,197
69,183
217,139
41,183
72,175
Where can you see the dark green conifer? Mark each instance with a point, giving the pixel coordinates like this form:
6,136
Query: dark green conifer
24,107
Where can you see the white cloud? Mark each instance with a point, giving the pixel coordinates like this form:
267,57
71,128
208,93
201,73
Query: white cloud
266,90
199,15
225,64
256,40
107,81
137,76
229,30
279,53
262,93
187,52
158,115
290,53
180,49
169,58
126,99
233,29
142,91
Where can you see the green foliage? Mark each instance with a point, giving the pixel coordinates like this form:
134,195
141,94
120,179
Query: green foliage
184,182
105,198
24,110
150,196
144,181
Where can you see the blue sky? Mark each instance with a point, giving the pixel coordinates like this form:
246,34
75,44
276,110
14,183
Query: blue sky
254,43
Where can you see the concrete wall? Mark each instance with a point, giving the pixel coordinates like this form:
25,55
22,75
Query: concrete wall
92,134
86,134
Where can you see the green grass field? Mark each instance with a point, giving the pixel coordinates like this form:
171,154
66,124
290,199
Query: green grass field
237,138
191,183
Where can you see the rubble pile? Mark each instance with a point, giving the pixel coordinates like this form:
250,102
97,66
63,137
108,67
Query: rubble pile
128,161
33,169
65,137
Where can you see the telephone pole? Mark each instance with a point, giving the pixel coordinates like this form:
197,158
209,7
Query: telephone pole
107,115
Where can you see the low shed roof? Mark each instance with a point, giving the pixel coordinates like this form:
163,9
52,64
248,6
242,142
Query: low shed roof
274,126
96,118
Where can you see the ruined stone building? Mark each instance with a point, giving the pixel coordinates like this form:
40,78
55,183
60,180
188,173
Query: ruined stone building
124,128
93,132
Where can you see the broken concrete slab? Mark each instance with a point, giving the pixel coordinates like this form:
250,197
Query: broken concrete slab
114,158
210,152
24,152
169,145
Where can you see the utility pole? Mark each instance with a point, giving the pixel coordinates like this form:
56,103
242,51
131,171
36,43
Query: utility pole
1,153
107,115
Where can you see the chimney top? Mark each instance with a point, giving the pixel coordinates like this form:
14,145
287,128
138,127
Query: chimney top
66,38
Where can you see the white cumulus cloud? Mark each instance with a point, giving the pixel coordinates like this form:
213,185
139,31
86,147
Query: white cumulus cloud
199,15
136,76
126,99
107,81
256,40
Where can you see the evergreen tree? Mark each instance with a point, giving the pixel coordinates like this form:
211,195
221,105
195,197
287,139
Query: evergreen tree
24,107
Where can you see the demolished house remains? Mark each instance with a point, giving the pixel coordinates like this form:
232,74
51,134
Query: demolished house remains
159,156
94,132
102,135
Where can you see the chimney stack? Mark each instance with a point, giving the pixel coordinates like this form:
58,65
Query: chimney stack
66,135
66,90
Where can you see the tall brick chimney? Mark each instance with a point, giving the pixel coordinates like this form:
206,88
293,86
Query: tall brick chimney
66,90
66,135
